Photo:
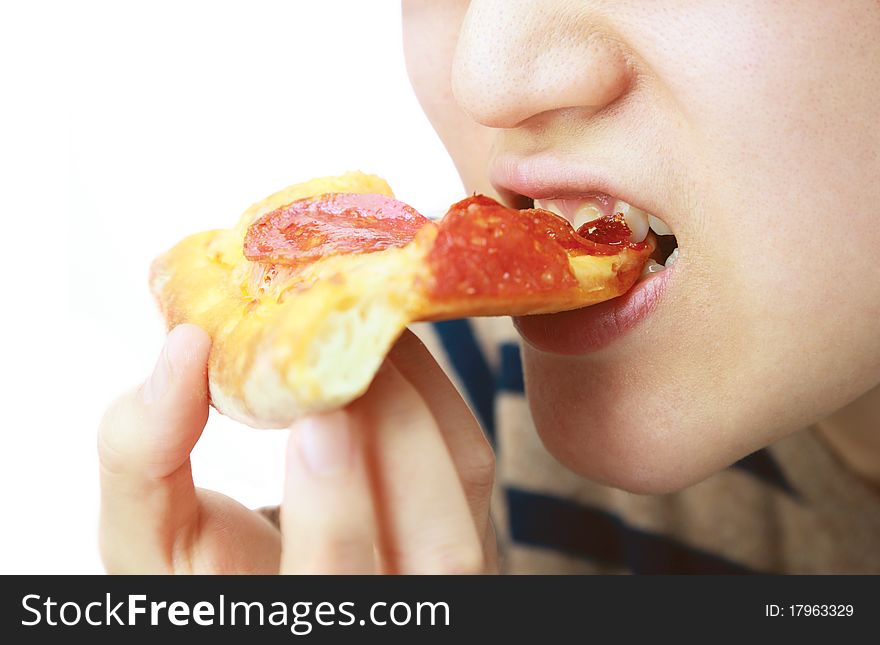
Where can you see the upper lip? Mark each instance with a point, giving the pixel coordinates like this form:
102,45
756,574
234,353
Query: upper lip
548,176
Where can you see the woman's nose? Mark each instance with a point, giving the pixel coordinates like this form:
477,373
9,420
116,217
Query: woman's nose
519,58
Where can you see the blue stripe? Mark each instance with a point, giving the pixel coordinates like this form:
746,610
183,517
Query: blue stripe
586,532
762,465
468,361
510,378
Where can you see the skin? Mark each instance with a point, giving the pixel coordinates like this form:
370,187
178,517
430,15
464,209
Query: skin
749,127
398,482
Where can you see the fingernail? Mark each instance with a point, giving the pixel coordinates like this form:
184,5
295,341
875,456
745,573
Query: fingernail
157,384
325,443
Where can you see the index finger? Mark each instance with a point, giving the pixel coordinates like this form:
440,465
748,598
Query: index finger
468,446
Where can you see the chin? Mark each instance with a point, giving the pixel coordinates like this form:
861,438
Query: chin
621,436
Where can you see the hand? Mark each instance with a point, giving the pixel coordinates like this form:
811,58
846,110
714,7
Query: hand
397,482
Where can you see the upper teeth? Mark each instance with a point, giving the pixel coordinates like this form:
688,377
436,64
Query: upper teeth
636,219
658,225
581,211
584,214
552,205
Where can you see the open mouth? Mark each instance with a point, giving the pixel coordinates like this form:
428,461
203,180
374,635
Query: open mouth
583,212
583,331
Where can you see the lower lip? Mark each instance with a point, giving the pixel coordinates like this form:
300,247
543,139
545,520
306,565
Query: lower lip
587,330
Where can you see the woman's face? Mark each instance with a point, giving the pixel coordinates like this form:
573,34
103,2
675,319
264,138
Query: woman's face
752,129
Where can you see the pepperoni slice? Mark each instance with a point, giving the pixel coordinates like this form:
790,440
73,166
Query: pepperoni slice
611,230
486,249
331,224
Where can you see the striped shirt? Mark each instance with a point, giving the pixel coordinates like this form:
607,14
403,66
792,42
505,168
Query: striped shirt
789,508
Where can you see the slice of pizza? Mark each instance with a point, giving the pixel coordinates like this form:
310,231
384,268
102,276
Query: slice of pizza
306,295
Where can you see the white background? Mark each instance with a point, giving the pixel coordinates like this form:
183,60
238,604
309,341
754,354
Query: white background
123,127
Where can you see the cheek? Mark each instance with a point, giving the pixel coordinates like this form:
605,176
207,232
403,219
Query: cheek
784,259
791,227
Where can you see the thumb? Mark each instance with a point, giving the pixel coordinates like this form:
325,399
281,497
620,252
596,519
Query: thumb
149,432
144,442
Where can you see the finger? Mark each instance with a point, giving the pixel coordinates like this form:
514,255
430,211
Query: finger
425,523
144,442
327,522
467,444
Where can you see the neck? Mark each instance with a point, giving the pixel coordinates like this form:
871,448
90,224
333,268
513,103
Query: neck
853,434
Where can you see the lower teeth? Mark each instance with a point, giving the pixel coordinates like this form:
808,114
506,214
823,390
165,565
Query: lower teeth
652,266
